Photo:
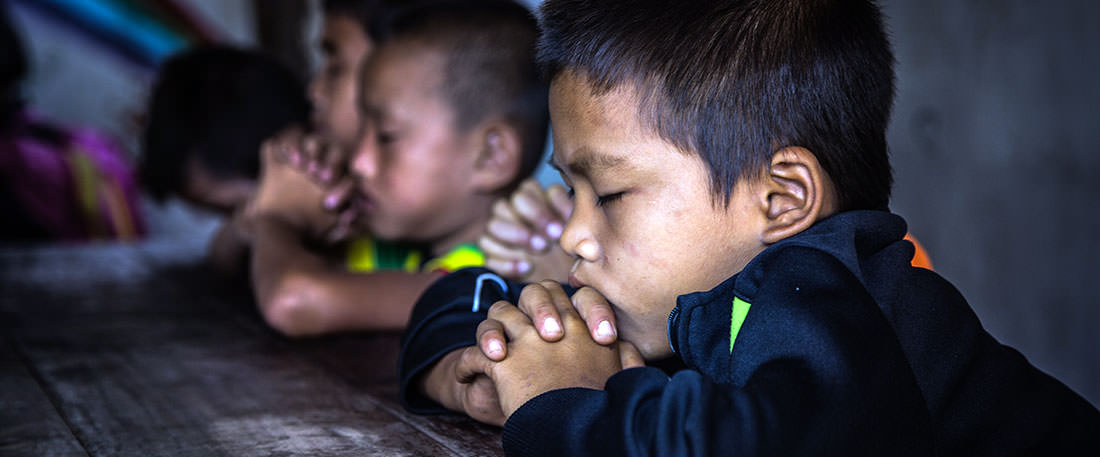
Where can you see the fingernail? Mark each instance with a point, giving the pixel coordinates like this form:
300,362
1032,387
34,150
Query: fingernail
550,326
604,330
331,201
553,230
523,266
538,243
495,347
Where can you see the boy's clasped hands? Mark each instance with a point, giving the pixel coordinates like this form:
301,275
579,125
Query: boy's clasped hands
546,341
298,170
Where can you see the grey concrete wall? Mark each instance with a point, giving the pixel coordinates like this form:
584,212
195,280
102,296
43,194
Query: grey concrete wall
995,145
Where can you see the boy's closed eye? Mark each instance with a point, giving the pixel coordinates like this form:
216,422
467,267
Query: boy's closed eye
602,200
386,137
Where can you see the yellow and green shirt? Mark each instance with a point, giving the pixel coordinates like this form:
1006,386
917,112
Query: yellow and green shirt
367,254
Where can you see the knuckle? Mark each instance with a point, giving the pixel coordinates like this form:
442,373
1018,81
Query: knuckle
484,327
532,289
467,355
499,265
497,308
550,284
500,207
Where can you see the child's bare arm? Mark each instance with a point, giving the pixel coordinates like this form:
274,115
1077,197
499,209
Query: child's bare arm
301,293
522,238
228,249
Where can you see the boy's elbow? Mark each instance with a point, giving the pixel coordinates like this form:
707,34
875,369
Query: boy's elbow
293,310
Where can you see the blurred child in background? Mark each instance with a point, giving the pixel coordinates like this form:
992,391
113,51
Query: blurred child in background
211,108
454,117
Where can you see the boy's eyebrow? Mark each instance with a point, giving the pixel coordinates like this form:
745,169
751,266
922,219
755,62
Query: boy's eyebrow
586,162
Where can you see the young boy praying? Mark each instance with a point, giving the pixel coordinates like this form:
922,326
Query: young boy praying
731,184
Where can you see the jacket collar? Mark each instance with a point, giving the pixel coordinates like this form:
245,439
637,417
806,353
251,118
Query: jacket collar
851,237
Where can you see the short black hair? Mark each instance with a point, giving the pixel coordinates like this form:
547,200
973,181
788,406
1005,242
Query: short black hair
363,11
216,105
490,70
736,80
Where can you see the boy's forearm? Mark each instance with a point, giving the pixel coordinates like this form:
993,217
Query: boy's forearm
643,412
278,251
302,292
279,263
228,250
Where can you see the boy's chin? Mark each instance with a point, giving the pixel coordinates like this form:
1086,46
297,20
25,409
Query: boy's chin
654,350
384,232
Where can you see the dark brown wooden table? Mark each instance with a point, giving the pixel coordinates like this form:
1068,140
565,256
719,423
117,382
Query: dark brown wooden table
138,350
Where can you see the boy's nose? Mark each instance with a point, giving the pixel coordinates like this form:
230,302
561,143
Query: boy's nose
577,239
364,159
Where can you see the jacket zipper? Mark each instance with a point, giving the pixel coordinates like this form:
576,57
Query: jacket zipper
673,317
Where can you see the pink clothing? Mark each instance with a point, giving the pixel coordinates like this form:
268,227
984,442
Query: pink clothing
74,184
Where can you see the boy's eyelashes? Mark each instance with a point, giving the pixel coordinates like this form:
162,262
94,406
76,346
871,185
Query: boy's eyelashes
386,137
602,200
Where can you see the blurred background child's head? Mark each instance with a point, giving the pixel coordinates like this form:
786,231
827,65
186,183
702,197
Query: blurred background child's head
211,108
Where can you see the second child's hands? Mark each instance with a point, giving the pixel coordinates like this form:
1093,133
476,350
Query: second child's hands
522,238
323,161
290,195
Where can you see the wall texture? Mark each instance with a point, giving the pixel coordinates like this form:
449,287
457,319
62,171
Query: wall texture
74,80
995,145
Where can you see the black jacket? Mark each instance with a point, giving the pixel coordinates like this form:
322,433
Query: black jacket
827,343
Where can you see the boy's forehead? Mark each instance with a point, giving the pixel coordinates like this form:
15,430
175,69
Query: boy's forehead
337,30
585,122
575,96
402,67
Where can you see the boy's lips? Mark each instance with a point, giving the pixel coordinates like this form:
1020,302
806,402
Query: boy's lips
576,283
363,203
573,280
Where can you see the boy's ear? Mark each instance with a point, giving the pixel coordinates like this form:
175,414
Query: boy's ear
498,160
797,194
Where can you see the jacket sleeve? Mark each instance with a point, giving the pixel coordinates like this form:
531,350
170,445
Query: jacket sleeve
644,412
815,370
445,318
